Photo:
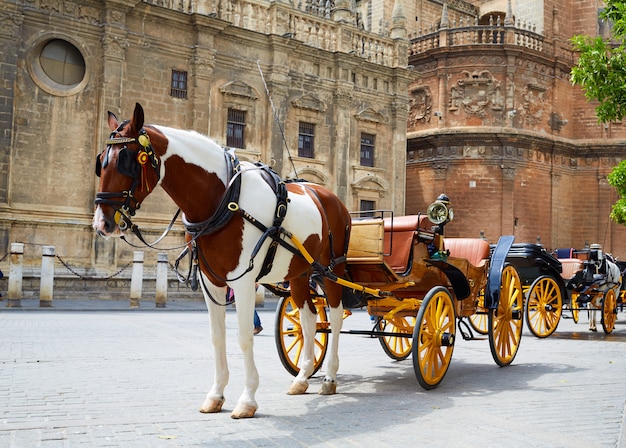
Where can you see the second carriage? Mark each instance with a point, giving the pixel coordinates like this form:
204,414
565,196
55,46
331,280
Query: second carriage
566,280
416,285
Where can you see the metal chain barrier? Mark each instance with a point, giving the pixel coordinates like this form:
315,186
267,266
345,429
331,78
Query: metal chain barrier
84,277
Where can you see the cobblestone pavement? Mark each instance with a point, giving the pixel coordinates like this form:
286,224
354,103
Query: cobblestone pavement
121,378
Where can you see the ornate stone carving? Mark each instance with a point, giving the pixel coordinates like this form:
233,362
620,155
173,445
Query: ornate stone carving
508,172
420,106
239,88
370,115
309,102
114,46
533,104
440,170
475,93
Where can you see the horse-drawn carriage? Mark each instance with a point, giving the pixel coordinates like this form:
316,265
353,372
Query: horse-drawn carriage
246,225
566,280
595,285
415,285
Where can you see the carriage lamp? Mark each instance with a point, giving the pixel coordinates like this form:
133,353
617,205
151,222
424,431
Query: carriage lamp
439,212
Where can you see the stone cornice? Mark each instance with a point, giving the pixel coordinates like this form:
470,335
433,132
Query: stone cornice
511,136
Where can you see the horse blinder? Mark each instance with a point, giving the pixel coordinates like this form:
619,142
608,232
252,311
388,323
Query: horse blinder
127,163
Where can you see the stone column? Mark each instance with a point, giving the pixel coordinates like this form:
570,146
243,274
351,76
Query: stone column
343,144
202,65
12,19
136,280
46,286
161,281
14,299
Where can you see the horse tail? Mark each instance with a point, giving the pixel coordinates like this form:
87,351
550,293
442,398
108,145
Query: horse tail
337,227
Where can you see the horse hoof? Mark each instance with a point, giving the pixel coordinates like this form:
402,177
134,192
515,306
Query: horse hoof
593,329
212,406
243,411
328,388
297,388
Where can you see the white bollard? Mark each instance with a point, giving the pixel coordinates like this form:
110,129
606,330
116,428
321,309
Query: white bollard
136,281
46,287
161,281
14,299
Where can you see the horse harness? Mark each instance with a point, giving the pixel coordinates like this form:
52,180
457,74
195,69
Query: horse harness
132,164
225,211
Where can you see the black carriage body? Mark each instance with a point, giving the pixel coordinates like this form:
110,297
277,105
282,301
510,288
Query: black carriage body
532,261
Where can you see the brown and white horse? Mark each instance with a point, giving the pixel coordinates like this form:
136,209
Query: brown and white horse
234,212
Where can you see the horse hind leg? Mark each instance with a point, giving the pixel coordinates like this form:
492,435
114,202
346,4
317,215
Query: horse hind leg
329,385
301,295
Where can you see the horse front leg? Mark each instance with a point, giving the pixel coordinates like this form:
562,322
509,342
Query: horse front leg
247,405
329,385
594,304
217,316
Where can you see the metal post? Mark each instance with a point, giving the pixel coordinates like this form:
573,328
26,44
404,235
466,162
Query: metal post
47,277
136,281
161,281
14,299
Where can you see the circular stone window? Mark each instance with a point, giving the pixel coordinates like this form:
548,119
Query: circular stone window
58,67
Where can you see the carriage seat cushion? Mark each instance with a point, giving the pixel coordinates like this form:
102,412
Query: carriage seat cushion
407,223
475,250
570,266
398,247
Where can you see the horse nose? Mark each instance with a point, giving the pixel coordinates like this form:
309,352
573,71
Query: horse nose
102,224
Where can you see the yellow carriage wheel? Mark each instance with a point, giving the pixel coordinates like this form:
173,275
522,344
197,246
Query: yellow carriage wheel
575,306
397,347
505,322
609,311
544,304
479,320
289,338
433,337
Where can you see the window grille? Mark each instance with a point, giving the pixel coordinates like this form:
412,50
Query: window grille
178,88
236,125
365,207
367,149
306,139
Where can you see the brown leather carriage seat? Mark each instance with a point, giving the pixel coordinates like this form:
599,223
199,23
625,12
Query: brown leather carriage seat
474,250
397,247
570,266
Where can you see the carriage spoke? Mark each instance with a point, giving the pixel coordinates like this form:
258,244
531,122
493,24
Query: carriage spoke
433,337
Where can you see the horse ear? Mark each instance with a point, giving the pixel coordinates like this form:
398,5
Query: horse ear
113,121
138,117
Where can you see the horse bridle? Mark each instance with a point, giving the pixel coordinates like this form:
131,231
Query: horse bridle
129,163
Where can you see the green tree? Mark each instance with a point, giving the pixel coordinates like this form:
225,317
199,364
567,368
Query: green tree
601,73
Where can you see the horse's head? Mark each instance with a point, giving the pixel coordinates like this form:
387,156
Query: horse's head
128,169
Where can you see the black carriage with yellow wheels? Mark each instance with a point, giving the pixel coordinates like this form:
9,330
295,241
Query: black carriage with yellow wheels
544,286
417,286
595,285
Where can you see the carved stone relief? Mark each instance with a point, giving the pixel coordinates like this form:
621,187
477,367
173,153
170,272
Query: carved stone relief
420,106
476,93
533,104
